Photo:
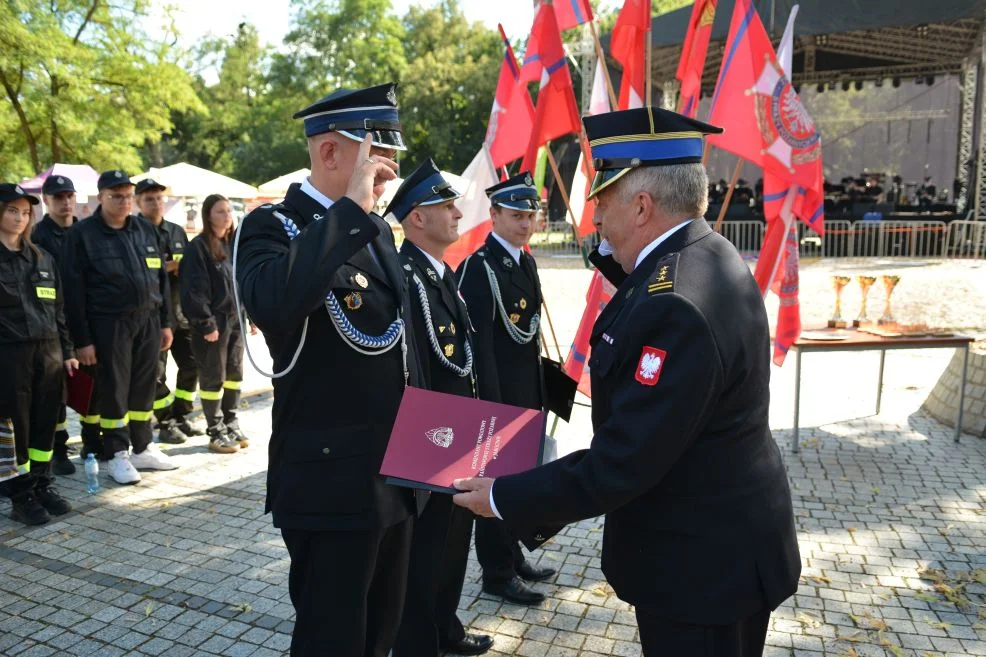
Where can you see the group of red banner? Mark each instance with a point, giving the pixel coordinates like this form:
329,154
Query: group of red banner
754,101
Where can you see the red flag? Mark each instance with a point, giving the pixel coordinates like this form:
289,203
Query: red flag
691,66
628,46
786,288
512,116
556,113
762,114
571,13
599,294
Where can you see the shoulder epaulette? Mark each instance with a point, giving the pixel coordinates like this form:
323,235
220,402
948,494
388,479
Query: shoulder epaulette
663,278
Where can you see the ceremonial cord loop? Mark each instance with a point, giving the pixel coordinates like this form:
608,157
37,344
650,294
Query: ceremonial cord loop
433,339
516,334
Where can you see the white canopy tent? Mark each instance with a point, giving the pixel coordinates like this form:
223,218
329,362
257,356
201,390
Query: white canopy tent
187,180
278,187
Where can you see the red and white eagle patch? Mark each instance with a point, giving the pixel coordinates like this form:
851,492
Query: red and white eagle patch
650,365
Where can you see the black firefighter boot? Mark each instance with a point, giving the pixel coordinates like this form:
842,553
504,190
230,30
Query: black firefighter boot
61,464
24,504
219,440
231,402
45,492
168,432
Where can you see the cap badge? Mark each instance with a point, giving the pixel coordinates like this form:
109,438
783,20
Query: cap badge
18,189
528,180
118,174
391,96
60,180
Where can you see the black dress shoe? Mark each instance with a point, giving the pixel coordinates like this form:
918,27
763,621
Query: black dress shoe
533,573
471,644
515,590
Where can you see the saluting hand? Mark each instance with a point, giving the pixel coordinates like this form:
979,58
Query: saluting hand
475,495
87,355
369,175
166,338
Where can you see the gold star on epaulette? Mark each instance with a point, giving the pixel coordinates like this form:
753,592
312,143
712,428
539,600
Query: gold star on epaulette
663,279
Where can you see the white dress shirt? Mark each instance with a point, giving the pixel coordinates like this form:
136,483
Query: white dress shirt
439,266
511,249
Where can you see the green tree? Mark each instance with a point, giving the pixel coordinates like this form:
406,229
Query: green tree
81,81
447,88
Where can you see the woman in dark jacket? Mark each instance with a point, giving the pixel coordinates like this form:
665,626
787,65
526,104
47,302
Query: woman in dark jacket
206,278
34,347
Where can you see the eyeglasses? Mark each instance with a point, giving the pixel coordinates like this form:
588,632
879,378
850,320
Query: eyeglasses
120,198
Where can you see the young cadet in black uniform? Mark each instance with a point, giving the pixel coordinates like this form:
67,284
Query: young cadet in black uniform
503,292
117,295
425,206
171,408
208,300
59,197
34,346
348,532
700,534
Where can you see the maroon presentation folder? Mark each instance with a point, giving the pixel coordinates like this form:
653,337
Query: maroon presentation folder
439,438
79,392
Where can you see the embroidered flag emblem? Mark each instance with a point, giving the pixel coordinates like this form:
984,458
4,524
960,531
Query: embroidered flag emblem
649,367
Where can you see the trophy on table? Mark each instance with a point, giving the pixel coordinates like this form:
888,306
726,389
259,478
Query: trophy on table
838,284
889,283
865,283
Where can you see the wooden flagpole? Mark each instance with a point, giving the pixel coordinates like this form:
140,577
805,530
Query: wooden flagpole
551,327
649,62
613,101
729,194
564,194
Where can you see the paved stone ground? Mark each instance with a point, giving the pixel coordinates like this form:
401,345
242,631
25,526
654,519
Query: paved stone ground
890,513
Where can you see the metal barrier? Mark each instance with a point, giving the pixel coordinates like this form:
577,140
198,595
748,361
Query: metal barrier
556,240
965,239
746,236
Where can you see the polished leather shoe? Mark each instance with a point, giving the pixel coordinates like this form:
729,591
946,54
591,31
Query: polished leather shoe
533,573
470,644
515,590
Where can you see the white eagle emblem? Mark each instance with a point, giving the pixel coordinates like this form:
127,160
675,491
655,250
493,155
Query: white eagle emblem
649,365
441,436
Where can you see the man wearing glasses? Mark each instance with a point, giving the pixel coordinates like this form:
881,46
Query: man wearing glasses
117,306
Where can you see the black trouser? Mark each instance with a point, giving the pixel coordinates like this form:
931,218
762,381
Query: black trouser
127,358
497,550
220,372
660,637
176,405
61,429
347,588
439,554
31,387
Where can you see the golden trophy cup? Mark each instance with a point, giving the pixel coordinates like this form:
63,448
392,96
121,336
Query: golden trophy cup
838,284
865,283
889,283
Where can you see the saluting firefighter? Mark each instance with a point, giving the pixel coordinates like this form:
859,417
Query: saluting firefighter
700,534
425,206
34,347
59,198
171,408
208,301
342,368
117,305
503,293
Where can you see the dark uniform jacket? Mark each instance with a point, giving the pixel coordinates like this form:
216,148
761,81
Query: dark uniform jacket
172,241
206,288
49,235
333,413
449,320
112,273
31,299
508,372
699,523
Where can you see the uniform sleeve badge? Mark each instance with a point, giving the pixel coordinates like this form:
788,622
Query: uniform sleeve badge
354,300
650,365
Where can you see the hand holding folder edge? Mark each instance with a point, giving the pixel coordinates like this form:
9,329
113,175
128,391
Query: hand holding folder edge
79,388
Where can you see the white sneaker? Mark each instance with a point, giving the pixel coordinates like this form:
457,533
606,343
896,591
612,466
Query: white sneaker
152,458
122,470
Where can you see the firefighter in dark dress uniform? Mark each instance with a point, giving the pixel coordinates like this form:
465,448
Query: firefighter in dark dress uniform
699,534
319,275
503,292
425,206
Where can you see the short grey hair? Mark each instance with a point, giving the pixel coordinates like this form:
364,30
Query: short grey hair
679,189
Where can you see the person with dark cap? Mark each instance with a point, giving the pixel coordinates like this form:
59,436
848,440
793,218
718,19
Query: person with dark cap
34,347
425,206
503,293
171,409
59,198
207,296
319,274
118,301
682,461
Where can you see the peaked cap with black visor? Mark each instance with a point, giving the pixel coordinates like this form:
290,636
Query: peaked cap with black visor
354,113
643,137
425,186
517,193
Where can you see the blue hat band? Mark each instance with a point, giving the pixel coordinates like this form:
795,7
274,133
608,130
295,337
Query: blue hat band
620,155
358,118
528,193
432,186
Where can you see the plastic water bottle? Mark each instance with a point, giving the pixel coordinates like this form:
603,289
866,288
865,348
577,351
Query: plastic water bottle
92,474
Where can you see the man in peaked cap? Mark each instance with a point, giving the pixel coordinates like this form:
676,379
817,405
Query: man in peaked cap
319,274
503,293
425,206
59,197
699,533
